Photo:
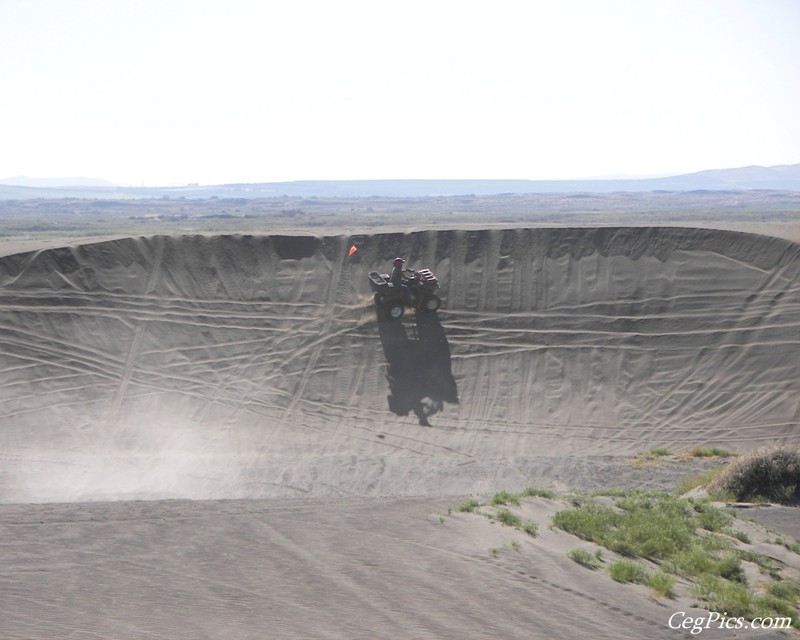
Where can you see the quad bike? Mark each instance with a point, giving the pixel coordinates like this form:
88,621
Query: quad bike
417,292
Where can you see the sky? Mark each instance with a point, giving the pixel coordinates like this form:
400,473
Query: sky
172,92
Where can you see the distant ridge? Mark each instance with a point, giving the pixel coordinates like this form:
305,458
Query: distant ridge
777,178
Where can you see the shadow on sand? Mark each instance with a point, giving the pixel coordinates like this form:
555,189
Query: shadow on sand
419,373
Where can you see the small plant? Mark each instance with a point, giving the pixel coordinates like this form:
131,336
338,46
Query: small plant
617,492
709,452
504,498
730,568
690,562
785,542
583,557
766,605
590,521
713,544
627,571
509,519
710,517
766,565
652,456
531,528
701,480
662,584
741,536
785,590
468,506
737,600
599,555
533,492
721,595
516,546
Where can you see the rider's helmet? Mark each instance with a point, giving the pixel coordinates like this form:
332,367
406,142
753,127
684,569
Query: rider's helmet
398,262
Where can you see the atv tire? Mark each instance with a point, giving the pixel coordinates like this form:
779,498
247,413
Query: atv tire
431,304
394,311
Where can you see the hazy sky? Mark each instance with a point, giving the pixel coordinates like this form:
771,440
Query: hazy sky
165,92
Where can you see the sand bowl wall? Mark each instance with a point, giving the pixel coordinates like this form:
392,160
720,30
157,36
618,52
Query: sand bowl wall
251,366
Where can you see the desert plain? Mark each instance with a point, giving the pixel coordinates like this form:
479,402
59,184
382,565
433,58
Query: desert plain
215,436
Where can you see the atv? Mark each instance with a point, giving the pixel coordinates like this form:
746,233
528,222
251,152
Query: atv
417,293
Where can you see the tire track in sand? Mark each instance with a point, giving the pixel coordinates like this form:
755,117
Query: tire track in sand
334,290
136,341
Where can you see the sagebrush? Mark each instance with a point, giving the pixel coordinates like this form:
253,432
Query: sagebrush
770,473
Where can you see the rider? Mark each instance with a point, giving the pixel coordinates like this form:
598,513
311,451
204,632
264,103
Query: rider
397,280
397,272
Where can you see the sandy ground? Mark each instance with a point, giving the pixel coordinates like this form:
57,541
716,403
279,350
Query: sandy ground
214,437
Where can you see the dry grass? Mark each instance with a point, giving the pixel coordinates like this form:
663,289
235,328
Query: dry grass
768,473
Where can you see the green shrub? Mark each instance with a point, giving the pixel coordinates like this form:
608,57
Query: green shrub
709,452
590,521
721,595
770,473
468,506
765,564
531,528
730,568
662,584
791,546
710,517
509,519
583,557
712,544
785,590
652,527
741,536
737,600
504,497
690,562
533,492
769,606
627,571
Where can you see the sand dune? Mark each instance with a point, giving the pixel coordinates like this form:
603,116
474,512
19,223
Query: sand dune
311,452
245,366
350,568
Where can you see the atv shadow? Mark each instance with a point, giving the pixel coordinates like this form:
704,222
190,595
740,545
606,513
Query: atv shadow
419,370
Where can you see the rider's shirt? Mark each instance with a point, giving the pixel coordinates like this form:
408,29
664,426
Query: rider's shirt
397,276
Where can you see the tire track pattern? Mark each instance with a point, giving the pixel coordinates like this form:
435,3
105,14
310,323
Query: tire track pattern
246,353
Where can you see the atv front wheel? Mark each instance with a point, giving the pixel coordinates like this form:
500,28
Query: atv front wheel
431,303
395,311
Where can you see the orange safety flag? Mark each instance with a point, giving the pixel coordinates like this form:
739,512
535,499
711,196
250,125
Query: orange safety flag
352,251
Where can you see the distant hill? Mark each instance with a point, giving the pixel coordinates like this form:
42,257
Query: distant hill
782,177
777,178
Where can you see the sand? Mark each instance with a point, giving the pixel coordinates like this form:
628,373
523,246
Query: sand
215,437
